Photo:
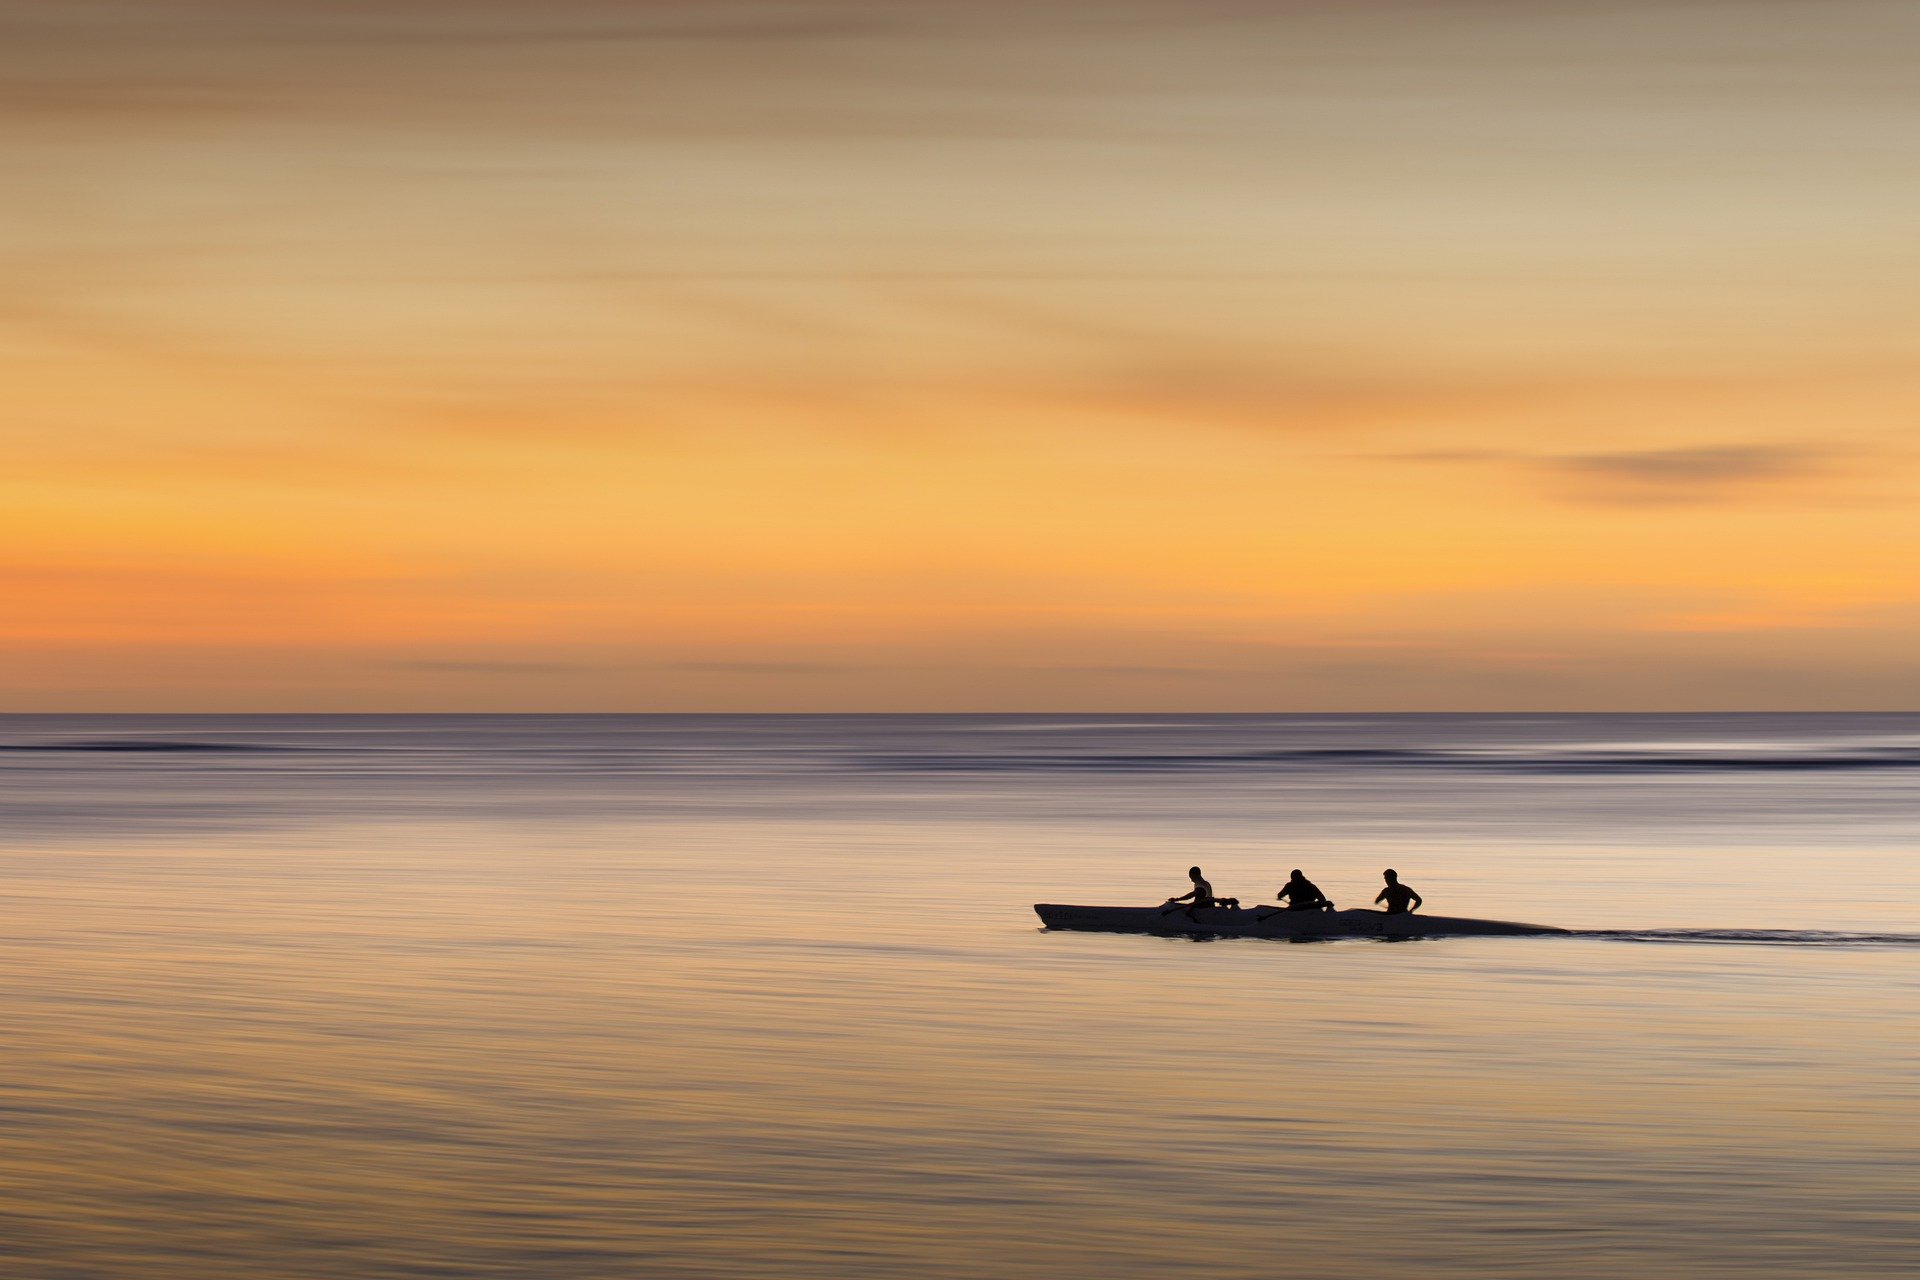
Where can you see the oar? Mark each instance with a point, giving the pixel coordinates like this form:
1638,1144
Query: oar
1325,904
1189,908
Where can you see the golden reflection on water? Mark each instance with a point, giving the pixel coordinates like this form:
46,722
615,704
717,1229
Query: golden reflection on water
812,1048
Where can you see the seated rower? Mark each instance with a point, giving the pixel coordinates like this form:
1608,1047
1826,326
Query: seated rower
1300,894
1201,895
1397,896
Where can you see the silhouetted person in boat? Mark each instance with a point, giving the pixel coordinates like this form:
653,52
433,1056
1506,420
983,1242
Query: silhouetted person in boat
1400,900
1201,893
1300,894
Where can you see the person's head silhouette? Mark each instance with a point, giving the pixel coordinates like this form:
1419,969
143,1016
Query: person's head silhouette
1391,875
1193,873
1296,875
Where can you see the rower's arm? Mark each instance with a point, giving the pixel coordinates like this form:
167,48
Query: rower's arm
1417,900
1380,896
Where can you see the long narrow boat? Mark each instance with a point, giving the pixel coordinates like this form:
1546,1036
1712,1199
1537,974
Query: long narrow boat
1258,923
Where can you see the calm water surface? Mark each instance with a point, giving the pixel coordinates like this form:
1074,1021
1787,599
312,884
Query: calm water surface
762,996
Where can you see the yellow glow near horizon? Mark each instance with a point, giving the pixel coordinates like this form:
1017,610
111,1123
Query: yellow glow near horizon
832,354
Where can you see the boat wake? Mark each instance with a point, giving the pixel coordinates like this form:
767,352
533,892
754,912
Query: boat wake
1757,937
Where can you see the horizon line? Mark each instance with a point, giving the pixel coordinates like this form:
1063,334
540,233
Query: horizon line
1824,711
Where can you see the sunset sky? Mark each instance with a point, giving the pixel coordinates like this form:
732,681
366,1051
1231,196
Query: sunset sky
809,355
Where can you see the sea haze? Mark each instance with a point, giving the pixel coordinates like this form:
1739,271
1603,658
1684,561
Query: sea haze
576,997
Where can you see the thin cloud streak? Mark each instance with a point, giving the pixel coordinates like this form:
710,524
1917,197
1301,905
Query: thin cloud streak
1687,475
1653,477
1722,465
461,667
758,668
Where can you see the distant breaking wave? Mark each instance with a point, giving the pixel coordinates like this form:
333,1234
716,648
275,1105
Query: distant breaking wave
730,758
137,745
1571,761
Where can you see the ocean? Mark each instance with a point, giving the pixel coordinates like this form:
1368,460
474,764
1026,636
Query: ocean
569,997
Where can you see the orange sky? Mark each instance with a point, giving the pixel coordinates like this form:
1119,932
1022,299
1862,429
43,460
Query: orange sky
850,354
